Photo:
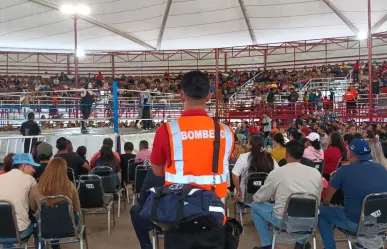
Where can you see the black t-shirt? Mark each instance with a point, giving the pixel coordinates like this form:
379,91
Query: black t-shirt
73,161
124,164
40,170
30,128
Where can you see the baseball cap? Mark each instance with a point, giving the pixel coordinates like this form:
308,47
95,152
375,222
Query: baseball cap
24,158
313,136
361,149
44,150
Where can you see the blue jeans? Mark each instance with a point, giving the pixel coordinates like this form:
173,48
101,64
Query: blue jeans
262,214
329,217
142,227
9,242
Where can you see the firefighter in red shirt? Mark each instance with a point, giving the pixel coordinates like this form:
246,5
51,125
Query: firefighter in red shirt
183,152
356,71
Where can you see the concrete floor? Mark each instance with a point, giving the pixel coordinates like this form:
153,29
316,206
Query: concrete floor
124,237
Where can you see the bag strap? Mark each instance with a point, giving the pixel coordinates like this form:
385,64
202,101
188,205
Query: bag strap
215,159
180,208
156,200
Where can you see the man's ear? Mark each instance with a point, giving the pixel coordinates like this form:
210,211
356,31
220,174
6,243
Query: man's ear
182,96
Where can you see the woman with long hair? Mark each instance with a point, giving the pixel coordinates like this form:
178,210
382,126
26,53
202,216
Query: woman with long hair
7,163
313,150
377,152
279,150
54,181
335,153
107,158
256,160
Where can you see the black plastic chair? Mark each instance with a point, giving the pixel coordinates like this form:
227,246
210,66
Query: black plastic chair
299,219
71,175
109,185
253,183
319,166
93,199
58,222
8,226
131,180
140,174
371,231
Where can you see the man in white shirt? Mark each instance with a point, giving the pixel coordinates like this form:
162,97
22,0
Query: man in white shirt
293,177
324,138
15,187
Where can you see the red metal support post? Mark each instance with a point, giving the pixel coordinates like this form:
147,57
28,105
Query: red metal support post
37,60
68,64
216,82
265,59
370,67
76,65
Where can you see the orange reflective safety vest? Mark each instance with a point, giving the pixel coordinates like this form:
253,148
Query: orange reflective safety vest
191,140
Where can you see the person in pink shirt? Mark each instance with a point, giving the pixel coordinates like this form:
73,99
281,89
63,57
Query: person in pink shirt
144,154
107,142
314,150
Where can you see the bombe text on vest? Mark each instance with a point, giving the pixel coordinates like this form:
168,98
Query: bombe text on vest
200,134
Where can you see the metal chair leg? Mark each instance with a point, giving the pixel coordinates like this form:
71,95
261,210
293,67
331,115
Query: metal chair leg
274,237
154,239
235,206
119,205
109,231
241,219
349,243
314,241
127,194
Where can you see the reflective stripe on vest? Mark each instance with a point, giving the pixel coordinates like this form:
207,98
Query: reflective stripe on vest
179,177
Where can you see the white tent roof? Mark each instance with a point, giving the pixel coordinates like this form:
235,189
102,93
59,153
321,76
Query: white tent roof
121,25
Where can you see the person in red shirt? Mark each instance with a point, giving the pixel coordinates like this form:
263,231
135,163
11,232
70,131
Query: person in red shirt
334,154
356,70
195,92
99,79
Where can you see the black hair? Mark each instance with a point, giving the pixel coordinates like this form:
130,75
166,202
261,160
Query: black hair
128,146
81,151
323,128
61,143
260,161
295,149
370,135
296,135
70,148
144,144
108,141
31,116
316,144
299,122
338,141
348,138
195,85
279,138
107,156
357,136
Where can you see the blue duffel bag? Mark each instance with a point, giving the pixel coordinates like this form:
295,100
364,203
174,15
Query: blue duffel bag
182,206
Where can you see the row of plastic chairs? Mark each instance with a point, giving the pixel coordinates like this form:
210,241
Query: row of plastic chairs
55,224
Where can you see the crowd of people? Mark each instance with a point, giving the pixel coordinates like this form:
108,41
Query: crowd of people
349,154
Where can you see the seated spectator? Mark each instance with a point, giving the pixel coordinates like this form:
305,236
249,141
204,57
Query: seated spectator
82,151
347,140
313,149
335,153
127,158
279,185
377,152
348,179
279,150
384,147
243,132
324,138
15,187
7,163
44,153
143,156
238,150
108,142
54,181
256,160
107,158
141,226
79,165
